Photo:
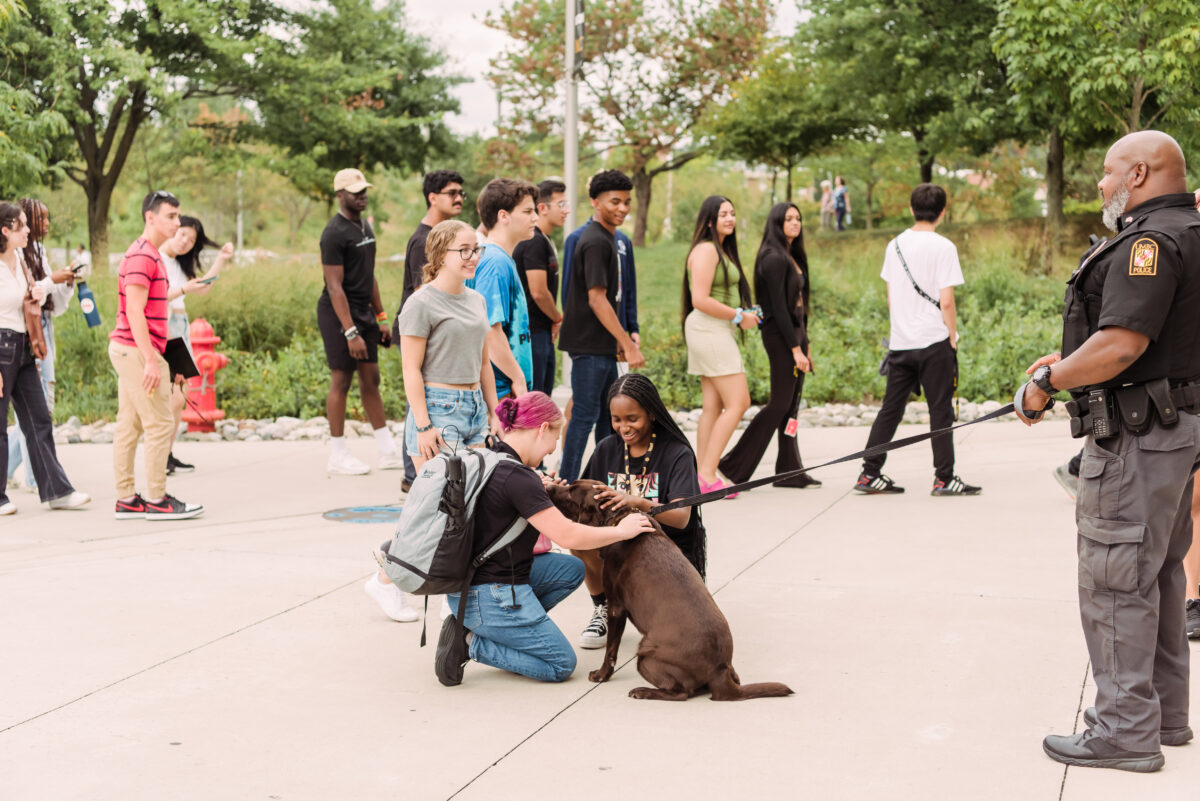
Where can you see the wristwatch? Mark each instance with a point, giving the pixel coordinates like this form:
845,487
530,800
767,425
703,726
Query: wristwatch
1041,377
737,318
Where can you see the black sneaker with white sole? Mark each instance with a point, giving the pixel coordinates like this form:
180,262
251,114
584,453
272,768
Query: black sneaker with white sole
1192,610
596,633
452,654
876,485
171,508
131,510
955,486
175,466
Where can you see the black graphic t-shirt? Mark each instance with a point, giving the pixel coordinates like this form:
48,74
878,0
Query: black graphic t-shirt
351,243
667,475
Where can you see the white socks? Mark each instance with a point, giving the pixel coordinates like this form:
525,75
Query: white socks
337,445
383,438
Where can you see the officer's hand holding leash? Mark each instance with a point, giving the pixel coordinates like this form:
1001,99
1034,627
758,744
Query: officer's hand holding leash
1031,401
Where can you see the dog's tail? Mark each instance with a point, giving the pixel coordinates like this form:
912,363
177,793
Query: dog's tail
724,686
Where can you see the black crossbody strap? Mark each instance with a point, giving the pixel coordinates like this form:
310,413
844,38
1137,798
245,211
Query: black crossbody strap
916,286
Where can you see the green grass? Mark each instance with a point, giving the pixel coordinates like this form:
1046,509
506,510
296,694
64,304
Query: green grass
266,316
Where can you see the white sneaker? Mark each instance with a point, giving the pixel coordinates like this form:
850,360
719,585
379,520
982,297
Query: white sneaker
391,461
73,501
346,464
391,600
8,508
596,633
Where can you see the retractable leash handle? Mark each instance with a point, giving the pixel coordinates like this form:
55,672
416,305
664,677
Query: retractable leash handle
706,497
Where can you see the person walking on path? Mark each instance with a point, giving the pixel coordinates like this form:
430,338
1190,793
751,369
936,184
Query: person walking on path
592,333
181,255
841,203
826,205
19,380
444,198
537,264
353,325
713,307
1130,361
921,269
505,620
781,284
508,209
135,348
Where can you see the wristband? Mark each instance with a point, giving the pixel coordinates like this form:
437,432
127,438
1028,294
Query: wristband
423,429
737,318
351,333
381,317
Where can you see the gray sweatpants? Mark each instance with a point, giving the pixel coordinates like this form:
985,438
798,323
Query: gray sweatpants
1134,518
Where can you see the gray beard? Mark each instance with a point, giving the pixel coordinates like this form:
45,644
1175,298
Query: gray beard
1111,211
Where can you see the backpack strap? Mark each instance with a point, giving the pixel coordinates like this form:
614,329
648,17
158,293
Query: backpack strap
503,541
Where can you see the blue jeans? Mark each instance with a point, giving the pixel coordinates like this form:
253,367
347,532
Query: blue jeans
544,361
463,409
591,376
523,640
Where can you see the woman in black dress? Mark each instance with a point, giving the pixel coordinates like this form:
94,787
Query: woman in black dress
781,286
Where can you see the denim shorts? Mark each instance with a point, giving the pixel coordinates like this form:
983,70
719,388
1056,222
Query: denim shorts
463,409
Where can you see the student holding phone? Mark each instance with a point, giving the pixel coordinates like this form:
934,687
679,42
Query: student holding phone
181,255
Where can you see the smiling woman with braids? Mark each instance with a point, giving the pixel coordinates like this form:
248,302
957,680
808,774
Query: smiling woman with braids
647,462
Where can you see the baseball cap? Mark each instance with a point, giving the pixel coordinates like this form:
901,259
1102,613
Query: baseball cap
350,180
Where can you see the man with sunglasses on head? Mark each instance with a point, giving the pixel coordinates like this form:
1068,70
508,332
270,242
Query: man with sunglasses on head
537,264
444,198
353,325
136,347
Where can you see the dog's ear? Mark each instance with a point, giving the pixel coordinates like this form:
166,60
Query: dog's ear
583,498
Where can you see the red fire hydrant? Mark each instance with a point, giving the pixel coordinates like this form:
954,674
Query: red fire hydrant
202,412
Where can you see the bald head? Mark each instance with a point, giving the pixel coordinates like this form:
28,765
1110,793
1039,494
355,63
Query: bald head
1140,166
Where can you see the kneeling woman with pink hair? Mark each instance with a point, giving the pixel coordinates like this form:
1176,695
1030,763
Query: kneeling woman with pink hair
505,621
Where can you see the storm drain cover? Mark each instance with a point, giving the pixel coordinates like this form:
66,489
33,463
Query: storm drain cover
365,514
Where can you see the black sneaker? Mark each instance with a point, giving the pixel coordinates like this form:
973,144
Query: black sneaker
876,485
175,466
1180,736
1193,619
452,652
171,508
131,510
596,633
955,486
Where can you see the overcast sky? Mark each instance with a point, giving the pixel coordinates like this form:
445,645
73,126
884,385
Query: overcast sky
470,44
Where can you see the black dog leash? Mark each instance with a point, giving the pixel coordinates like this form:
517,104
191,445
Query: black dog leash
714,495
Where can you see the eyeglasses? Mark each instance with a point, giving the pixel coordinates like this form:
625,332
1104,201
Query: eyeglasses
454,193
468,253
563,205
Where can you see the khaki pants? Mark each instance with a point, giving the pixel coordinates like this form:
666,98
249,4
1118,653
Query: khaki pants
138,414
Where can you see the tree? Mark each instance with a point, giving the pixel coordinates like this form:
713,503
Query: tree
921,67
869,159
776,116
653,68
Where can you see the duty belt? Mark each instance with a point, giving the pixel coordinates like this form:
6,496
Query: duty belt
1103,412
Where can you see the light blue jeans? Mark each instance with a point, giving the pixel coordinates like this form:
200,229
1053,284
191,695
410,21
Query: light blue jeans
522,639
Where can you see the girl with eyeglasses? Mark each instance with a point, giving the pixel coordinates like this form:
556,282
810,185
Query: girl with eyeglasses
448,377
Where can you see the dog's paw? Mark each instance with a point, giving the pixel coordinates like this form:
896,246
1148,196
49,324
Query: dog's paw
642,693
600,675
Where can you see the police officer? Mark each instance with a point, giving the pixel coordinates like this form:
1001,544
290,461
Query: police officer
1131,360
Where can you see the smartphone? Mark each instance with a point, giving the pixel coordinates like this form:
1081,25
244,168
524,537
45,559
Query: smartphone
208,280
78,268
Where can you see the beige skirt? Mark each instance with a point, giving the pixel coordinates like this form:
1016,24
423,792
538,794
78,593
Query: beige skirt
712,350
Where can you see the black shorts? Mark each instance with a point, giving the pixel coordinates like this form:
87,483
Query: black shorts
337,351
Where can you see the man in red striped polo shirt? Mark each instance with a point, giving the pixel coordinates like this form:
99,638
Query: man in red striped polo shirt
136,347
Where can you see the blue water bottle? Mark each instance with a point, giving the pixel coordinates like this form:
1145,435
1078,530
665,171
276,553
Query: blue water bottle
87,302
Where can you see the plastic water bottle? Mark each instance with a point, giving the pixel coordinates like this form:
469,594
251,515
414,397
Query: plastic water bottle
87,302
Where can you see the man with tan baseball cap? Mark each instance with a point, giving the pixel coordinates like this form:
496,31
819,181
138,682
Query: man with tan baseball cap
352,323
351,180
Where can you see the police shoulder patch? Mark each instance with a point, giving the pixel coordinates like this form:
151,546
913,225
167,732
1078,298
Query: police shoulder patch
1143,258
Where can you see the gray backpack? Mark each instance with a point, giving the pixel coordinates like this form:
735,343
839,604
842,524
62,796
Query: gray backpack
432,550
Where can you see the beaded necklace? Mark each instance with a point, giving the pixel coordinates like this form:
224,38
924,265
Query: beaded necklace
645,462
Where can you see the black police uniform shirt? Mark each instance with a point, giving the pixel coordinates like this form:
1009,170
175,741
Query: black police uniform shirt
668,474
351,244
1146,279
512,491
594,264
537,253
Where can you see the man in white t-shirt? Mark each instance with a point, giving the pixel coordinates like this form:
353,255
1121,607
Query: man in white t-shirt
921,269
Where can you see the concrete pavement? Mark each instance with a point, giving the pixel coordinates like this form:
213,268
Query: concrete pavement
932,643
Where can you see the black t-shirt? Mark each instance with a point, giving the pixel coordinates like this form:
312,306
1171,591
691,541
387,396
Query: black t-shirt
414,262
669,476
594,264
351,244
1147,279
512,491
537,253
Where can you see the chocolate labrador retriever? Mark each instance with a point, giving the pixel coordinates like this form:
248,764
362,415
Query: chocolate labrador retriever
686,643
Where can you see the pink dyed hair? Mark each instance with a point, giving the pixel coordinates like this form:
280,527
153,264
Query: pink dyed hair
528,411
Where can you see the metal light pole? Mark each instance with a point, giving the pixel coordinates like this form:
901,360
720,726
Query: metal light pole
571,125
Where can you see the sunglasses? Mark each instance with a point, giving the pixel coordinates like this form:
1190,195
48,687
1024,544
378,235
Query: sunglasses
163,194
453,193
